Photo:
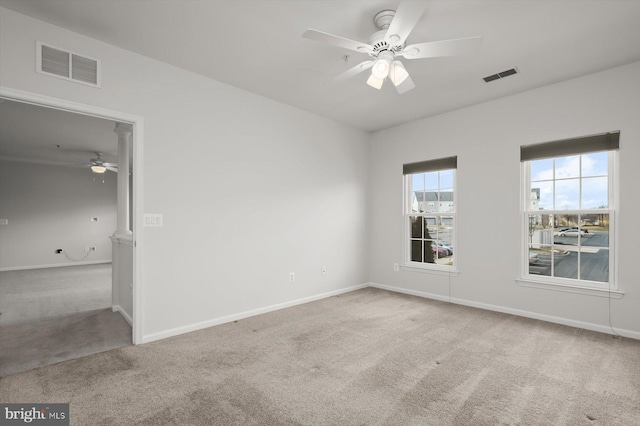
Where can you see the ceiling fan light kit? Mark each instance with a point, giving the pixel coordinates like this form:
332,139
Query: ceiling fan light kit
375,82
382,65
388,43
398,73
98,166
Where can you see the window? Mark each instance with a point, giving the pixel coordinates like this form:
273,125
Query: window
569,211
429,211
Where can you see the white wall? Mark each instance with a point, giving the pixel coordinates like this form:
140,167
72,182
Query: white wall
487,139
210,151
50,207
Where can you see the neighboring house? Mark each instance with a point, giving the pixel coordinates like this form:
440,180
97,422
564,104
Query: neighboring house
535,205
432,202
535,199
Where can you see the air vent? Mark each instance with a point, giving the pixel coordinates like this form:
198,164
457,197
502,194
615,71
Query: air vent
499,75
67,65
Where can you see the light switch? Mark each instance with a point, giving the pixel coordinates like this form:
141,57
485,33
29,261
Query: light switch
153,219
4,221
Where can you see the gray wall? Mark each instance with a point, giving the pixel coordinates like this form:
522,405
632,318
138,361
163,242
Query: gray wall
50,207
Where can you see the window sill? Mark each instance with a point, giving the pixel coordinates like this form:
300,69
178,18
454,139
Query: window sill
591,291
430,270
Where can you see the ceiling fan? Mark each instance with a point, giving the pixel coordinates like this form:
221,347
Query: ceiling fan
388,44
99,166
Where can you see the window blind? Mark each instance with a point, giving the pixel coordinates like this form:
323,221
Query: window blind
574,146
430,165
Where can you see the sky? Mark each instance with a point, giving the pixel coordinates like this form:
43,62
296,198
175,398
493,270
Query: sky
581,181
433,181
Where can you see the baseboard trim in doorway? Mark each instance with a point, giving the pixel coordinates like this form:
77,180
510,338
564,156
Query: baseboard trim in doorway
54,265
125,315
235,317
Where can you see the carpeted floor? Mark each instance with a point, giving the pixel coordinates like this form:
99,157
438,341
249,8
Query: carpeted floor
55,314
369,357
34,294
50,340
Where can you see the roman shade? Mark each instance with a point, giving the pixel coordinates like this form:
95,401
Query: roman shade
574,146
430,165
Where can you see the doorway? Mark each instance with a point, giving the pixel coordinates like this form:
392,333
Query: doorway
74,258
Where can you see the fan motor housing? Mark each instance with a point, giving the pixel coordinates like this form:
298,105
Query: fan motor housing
379,44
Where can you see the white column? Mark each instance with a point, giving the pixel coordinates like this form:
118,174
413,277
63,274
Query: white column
124,132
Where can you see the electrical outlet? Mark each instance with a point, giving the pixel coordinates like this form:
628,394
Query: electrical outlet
92,248
292,276
323,271
4,221
89,249
95,219
396,267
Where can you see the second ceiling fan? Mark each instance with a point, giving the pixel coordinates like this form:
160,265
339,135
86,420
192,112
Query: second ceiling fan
99,166
388,44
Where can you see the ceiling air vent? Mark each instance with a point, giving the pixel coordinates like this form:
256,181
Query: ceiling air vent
67,65
502,74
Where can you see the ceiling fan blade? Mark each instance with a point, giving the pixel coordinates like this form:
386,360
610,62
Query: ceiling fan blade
406,85
407,16
113,169
351,72
110,164
434,49
337,41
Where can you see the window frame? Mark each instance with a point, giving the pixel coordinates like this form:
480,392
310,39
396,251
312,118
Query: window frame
573,284
408,264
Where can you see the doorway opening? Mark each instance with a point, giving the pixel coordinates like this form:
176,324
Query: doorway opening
66,278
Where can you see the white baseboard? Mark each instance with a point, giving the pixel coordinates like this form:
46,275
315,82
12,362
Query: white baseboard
125,315
527,314
410,292
54,265
235,317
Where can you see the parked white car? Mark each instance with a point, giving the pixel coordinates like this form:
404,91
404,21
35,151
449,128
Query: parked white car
571,232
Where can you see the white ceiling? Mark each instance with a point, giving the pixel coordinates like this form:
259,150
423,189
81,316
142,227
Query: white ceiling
35,134
257,46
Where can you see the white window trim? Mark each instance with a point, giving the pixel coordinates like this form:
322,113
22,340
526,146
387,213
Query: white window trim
571,288
610,289
430,268
433,268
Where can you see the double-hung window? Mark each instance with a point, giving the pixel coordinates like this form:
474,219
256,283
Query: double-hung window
430,213
569,211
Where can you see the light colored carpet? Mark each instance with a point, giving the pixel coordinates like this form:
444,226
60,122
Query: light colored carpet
47,341
56,314
40,293
369,357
